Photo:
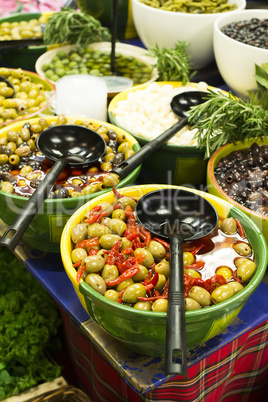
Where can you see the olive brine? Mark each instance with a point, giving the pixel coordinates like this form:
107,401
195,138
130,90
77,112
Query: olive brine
125,263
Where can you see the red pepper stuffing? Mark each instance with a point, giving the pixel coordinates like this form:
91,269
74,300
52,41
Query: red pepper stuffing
124,276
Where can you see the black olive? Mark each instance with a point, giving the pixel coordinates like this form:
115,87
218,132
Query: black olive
62,193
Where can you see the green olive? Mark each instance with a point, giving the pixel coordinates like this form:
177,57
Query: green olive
246,270
160,306
148,258
14,159
79,232
125,243
229,226
96,282
143,305
243,248
7,187
3,159
117,226
123,285
225,271
163,268
201,295
110,272
161,282
111,180
25,170
12,136
188,258
111,294
127,201
90,189
222,293
191,304
124,147
94,263
132,293
237,286
157,250
78,254
192,272
97,230
119,214
107,241
141,275
239,261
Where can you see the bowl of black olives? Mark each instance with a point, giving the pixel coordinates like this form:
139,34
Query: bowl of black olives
238,173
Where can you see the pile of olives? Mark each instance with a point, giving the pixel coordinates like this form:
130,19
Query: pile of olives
87,60
110,259
23,166
16,30
27,98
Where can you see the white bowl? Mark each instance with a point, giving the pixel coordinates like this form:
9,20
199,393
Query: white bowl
166,28
126,50
235,60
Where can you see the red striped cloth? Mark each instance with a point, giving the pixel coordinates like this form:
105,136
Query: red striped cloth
237,372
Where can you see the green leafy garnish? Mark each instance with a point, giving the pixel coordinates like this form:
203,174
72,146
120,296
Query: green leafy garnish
74,27
260,96
28,329
223,119
172,64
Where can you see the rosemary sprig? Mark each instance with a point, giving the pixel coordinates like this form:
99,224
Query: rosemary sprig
223,119
172,64
75,27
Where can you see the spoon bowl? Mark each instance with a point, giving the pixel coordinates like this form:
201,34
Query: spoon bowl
177,215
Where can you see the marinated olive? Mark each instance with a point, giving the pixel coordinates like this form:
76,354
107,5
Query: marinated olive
143,305
94,263
201,295
97,230
110,179
222,293
243,248
163,268
225,271
111,294
191,304
96,282
192,272
123,285
160,306
7,187
117,226
236,286
161,282
246,270
79,232
125,243
78,254
229,226
188,258
119,214
141,275
110,272
148,259
125,201
132,293
157,250
107,241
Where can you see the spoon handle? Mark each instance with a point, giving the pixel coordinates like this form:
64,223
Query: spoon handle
127,166
176,325
16,230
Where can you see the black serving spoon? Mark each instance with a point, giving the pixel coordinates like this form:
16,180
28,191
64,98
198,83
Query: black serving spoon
71,145
180,105
178,215
9,84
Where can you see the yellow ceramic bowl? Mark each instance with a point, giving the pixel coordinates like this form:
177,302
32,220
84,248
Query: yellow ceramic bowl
171,163
44,232
49,89
144,331
214,188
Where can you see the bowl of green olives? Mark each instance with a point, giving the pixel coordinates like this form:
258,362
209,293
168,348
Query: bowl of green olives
120,270
130,62
23,167
22,26
23,95
238,173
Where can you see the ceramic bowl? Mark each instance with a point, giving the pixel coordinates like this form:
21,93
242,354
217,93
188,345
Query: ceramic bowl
122,48
171,163
49,90
44,232
144,331
194,29
235,60
214,188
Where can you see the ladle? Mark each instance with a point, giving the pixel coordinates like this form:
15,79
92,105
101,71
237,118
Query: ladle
180,105
71,145
9,84
178,215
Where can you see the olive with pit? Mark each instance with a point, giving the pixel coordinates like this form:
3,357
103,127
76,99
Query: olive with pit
107,241
143,305
246,270
97,230
79,232
188,258
111,294
229,226
191,304
157,250
94,263
242,248
132,293
127,201
78,254
222,293
201,295
163,267
160,306
96,282
117,226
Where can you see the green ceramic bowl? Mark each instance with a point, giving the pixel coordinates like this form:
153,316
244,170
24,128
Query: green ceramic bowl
145,332
45,230
214,188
